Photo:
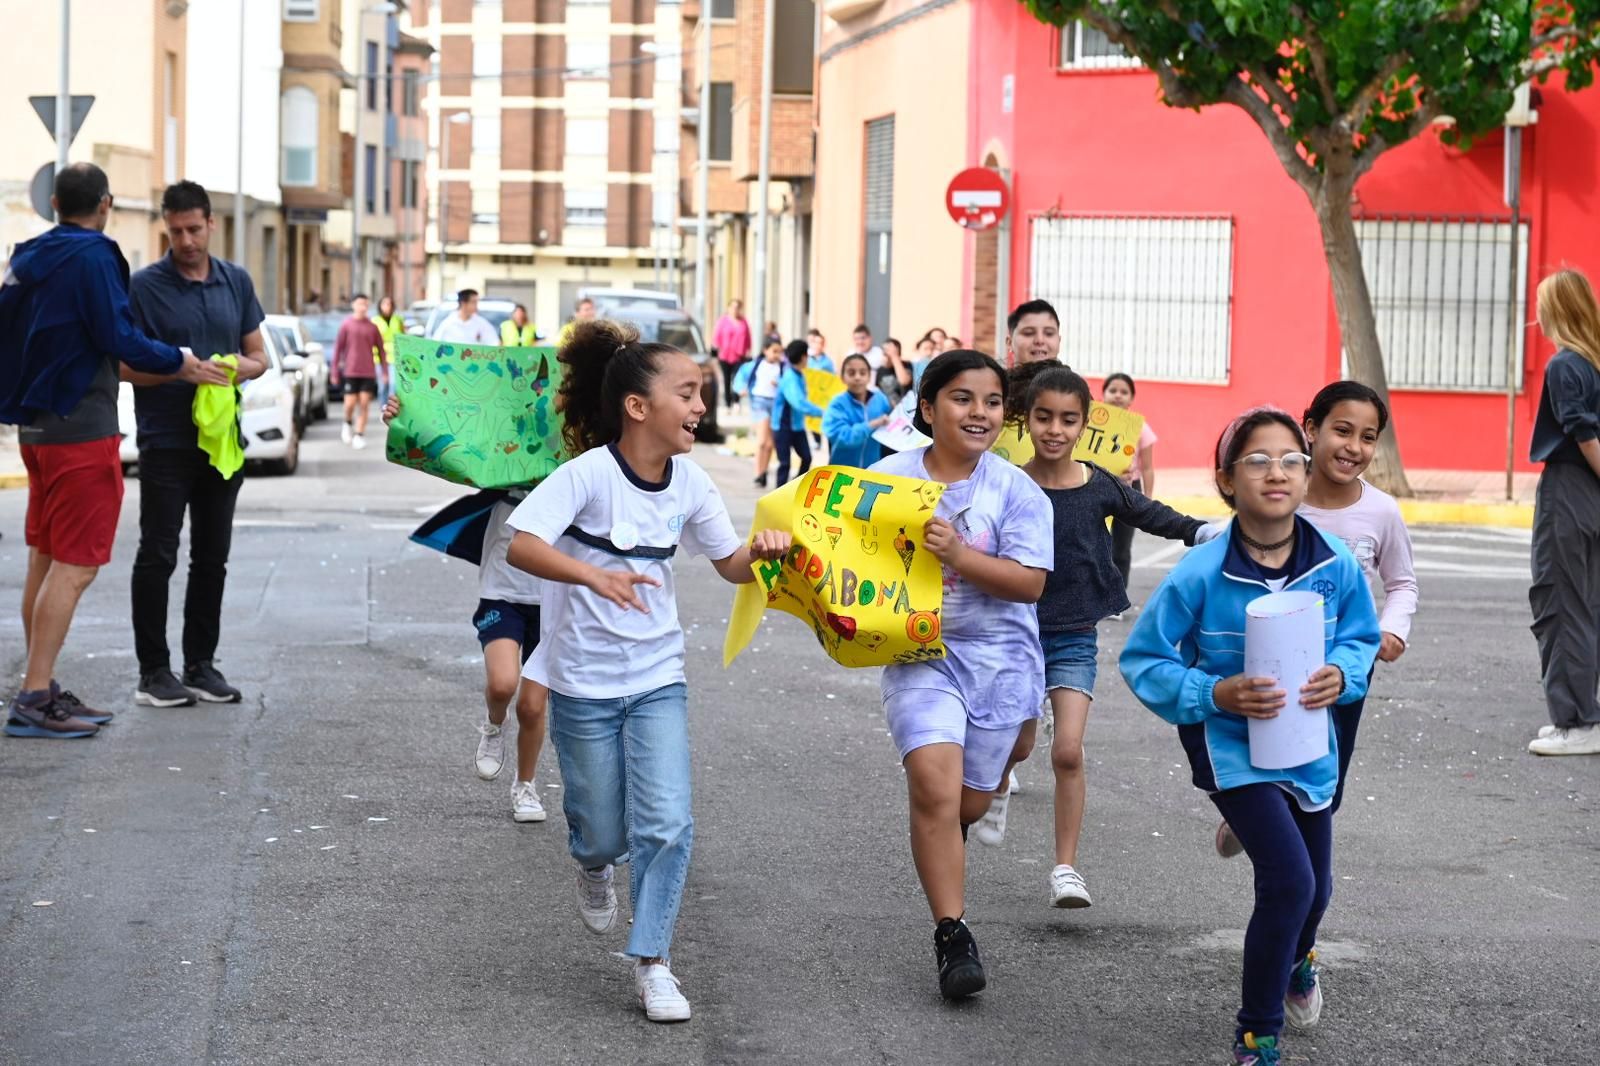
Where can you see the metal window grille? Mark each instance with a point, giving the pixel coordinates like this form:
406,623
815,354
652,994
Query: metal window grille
880,174
1086,48
1440,298
1148,295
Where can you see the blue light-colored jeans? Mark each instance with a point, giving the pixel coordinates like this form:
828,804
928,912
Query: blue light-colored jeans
625,772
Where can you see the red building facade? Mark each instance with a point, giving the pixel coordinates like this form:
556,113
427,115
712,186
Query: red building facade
1177,249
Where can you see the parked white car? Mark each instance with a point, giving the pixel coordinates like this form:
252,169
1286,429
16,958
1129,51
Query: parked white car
268,413
614,302
293,339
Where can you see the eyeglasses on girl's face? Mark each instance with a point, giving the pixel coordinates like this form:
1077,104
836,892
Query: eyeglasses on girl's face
1256,464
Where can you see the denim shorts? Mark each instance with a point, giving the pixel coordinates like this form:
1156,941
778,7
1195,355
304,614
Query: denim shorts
922,716
1069,660
761,405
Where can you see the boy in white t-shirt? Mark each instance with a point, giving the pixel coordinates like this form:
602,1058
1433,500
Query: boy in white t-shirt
507,622
602,532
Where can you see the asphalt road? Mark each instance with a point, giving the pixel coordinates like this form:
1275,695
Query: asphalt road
316,876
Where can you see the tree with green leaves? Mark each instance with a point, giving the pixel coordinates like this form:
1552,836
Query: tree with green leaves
1333,84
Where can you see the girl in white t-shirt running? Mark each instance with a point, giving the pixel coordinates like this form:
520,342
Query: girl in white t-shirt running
602,532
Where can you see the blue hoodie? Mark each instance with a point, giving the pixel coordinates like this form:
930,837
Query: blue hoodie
1191,636
792,406
847,425
64,317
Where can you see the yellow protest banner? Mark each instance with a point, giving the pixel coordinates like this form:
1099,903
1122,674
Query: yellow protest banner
821,387
1110,438
858,573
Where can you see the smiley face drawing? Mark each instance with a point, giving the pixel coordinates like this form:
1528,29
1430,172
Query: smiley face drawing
810,528
929,492
870,639
1099,416
869,547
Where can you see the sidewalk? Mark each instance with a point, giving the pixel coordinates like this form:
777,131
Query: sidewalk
12,475
1443,497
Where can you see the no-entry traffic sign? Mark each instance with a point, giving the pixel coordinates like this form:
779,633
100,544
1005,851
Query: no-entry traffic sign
977,198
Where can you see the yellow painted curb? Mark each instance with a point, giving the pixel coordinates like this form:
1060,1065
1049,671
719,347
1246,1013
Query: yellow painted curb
13,481
1415,512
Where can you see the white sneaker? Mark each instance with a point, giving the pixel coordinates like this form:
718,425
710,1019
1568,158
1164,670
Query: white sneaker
991,828
358,442
525,805
1546,730
491,757
346,433
597,900
1016,785
1579,740
1067,888
660,994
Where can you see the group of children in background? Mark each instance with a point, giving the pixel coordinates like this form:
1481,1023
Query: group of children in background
1030,570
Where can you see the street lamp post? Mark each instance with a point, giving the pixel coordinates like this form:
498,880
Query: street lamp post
702,177
362,74
457,119
238,159
64,89
758,299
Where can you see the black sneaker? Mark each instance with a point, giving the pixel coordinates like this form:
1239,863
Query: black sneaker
77,708
46,718
207,682
159,688
761,482
960,972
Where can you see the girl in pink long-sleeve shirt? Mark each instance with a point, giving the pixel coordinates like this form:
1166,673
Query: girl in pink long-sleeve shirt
1342,425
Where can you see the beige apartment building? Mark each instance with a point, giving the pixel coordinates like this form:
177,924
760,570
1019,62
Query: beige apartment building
131,57
893,126
314,175
731,121
555,122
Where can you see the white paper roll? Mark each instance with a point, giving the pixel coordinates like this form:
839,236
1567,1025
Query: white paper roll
1283,640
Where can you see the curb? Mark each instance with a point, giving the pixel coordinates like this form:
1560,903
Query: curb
1415,512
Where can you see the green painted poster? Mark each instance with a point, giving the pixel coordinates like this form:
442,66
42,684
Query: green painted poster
477,416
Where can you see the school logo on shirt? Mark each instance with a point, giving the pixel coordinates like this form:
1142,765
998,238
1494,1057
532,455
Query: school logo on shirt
1324,588
675,523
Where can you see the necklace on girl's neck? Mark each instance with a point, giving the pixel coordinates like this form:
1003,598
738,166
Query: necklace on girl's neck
1266,549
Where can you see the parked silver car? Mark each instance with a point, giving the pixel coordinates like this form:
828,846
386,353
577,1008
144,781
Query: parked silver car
292,338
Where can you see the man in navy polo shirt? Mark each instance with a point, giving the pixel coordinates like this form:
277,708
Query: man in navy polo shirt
188,298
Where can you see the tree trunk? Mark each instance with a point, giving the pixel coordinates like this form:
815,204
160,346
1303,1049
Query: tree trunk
1358,328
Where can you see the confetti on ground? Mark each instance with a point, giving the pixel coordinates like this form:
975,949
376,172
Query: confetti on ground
176,769
350,796
185,962
88,830
327,847
44,903
377,819
272,840
316,827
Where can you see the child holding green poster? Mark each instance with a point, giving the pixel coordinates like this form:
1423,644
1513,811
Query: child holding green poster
601,532
507,623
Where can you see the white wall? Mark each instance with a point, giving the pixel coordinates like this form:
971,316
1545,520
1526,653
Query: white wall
213,95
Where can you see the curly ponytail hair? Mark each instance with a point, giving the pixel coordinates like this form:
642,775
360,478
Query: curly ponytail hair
603,362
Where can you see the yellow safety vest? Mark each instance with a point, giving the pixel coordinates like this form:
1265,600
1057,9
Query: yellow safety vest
509,335
388,328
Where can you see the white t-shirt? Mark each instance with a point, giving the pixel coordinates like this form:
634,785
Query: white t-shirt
475,330
875,357
598,511
497,578
765,382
